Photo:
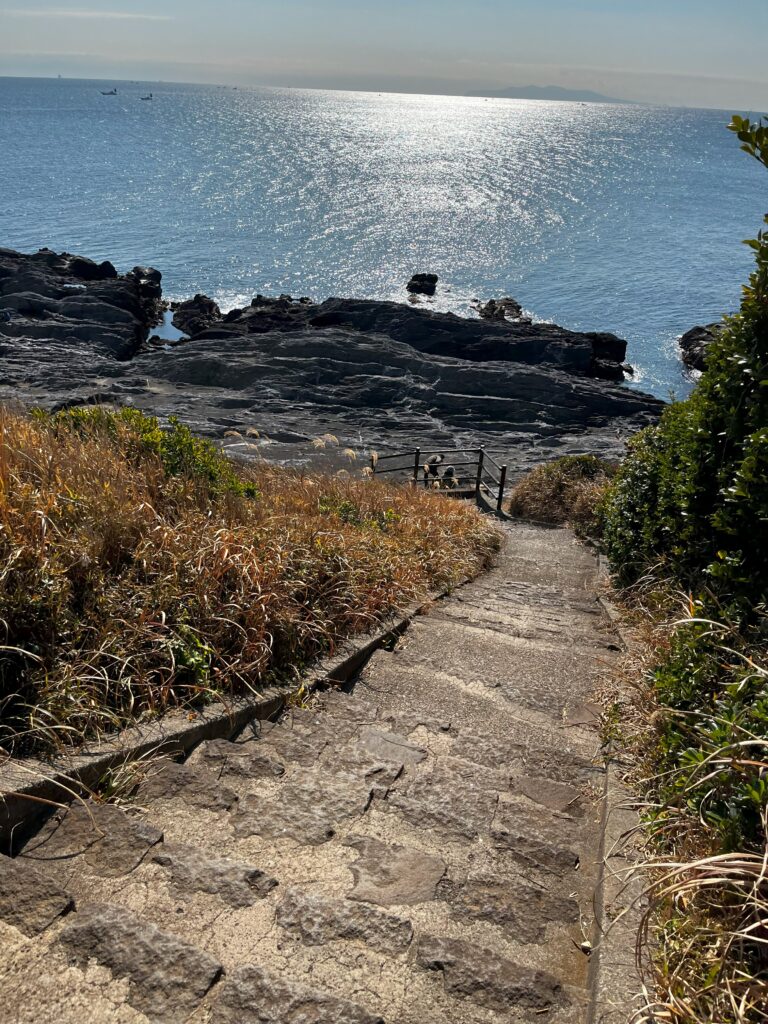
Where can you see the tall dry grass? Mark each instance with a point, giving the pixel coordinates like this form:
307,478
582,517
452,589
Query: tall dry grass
139,571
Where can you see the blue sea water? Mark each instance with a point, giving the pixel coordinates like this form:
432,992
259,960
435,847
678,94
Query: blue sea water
597,217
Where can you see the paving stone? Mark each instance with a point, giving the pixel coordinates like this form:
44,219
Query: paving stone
244,760
487,979
392,875
167,977
440,800
292,744
391,746
530,844
557,764
308,809
353,760
251,995
520,907
319,920
237,884
109,842
407,722
556,796
193,784
347,707
28,899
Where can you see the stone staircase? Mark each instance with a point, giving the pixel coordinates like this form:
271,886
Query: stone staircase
424,848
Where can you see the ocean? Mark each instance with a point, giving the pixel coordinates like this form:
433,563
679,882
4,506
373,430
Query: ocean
621,218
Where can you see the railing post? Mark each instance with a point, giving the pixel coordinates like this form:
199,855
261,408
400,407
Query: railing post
416,464
479,480
502,482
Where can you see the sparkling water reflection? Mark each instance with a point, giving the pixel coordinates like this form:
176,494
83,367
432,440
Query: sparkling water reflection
599,217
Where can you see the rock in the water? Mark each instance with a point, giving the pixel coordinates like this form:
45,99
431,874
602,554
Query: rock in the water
376,374
487,979
29,900
167,977
251,995
236,884
422,284
319,920
695,343
500,310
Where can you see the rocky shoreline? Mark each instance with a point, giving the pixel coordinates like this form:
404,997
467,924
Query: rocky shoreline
379,375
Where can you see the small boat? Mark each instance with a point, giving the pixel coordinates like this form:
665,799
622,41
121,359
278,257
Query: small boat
112,92
147,97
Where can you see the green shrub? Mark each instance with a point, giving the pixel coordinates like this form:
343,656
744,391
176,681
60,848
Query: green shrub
693,491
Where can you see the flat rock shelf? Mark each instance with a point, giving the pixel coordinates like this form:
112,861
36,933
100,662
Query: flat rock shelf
424,846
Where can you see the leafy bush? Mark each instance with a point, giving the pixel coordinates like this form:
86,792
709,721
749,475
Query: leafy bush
140,569
567,490
693,491
688,512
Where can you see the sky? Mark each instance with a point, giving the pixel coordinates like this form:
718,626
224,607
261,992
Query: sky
708,53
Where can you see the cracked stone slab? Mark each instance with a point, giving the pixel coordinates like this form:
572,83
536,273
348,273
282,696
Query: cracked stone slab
244,760
308,810
345,706
167,977
252,995
292,744
391,746
106,839
407,722
487,979
555,796
355,761
447,802
393,875
319,920
520,907
193,784
531,845
28,899
557,764
235,883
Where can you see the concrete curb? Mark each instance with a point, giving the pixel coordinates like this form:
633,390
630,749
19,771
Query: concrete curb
30,788
616,982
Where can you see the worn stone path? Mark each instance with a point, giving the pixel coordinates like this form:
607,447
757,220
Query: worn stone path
423,849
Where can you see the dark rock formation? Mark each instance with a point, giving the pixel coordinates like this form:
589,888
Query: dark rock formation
442,334
422,284
72,305
694,345
500,310
375,374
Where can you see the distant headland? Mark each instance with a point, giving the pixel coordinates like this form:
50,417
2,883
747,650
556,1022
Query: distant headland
547,92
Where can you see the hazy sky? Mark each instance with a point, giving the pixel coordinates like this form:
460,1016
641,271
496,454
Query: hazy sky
690,52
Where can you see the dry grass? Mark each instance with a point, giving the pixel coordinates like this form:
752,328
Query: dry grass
701,772
136,577
564,492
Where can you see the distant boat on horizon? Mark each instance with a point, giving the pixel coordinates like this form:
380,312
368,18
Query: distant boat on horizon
112,92
148,97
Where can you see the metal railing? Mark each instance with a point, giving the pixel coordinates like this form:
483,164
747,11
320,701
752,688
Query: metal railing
484,476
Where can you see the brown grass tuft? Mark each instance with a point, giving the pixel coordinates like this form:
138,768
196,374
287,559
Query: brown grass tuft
127,588
564,492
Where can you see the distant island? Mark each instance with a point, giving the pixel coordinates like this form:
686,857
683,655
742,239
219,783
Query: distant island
546,92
